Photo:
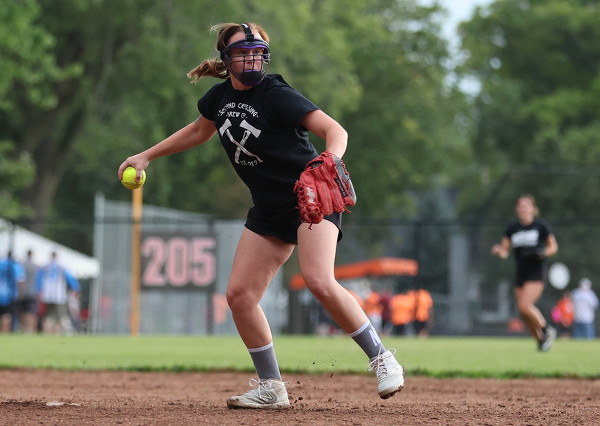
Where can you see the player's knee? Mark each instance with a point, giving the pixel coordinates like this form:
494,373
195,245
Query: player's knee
524,308
319,285
239,299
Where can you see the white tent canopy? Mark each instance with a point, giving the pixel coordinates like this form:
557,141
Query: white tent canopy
20,240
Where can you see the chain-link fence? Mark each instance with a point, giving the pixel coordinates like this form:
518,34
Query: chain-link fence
472,290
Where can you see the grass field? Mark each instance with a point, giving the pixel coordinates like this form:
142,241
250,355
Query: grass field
435,356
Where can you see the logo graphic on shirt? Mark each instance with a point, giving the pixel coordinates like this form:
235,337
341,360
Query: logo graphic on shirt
249,130
528,238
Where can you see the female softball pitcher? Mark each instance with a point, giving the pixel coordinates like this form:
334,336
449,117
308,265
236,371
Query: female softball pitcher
262,124
532,241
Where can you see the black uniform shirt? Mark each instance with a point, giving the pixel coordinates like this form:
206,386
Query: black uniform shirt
527,241
261,131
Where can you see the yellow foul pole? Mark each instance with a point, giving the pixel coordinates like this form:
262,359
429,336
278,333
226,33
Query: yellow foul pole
136,260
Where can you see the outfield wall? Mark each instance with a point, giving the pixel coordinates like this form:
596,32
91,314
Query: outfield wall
167,309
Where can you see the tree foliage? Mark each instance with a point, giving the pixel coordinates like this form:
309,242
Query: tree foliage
26,65
107,79
538,62
536,123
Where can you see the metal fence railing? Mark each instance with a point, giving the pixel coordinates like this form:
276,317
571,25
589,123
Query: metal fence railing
472,290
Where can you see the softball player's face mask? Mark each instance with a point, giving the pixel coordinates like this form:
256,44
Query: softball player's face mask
255,54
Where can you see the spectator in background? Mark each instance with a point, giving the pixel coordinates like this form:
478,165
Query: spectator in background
423,311
12,277
402,306
26,303
585,304
562,314
374,310
53,285
385,299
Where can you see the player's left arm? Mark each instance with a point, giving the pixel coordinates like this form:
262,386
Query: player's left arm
20,278
551,246
502,250
325,127
72,282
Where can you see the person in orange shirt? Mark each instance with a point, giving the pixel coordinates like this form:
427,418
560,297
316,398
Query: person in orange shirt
385,300
562,314
374,310
403,307
423,312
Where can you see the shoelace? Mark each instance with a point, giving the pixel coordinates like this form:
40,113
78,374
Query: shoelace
258,384
378,364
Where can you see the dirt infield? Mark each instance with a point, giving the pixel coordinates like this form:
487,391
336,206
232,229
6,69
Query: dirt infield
107,398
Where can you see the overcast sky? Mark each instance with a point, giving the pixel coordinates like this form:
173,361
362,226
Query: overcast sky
460,10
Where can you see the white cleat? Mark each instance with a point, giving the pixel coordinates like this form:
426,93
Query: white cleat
548,339
267,393
390,374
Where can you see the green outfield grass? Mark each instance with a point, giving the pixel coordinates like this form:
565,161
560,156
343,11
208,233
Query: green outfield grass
436,356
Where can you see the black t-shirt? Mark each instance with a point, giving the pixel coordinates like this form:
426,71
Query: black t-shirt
261,131
526,241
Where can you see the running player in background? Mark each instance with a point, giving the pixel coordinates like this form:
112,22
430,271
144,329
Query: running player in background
532,241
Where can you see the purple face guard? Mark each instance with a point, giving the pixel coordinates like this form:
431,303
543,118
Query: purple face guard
248,77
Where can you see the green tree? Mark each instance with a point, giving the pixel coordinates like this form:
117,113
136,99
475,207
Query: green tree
73,44
119,85
536,118
406,131
26,64
347,74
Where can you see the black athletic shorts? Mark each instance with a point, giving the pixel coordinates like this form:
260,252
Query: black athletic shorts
283,225
27,304
531,273
7,310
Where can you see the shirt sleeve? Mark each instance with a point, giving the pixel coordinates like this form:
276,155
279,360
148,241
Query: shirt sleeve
38,280
72,282
207,104
289,105
19,273
508,231
546,229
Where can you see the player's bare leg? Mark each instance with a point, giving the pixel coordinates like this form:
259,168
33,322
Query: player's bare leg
316,255
49,326
257,260
527,296
29,321
5,323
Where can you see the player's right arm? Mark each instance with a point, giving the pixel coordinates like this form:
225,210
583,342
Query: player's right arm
502,250
194,134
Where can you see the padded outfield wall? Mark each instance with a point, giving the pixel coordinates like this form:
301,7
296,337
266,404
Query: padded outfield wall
186,259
